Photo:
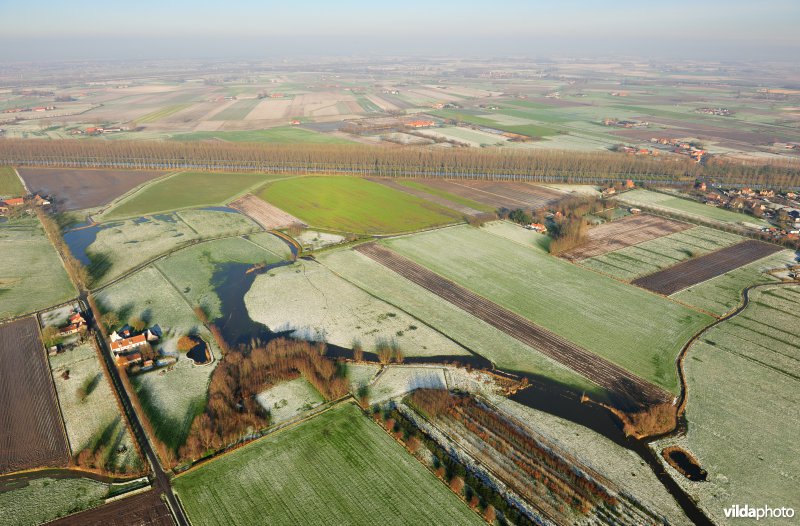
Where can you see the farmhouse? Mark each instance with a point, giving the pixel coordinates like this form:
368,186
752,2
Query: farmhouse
129,359
420,124
126,344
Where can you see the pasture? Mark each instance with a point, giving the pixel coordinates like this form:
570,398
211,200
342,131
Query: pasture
192,270
498,195
88,405
36,501
318,305
119,247
76,189
31,274
438,192
184,190
27,390
10,185
476,335
656,254
686,207
648,332
171,397
337,468
351,204
742,406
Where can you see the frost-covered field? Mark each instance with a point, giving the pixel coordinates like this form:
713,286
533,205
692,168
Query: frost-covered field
687,207
361,374
41,500
31,274
121,246
88,418
743,407
191,270
650,256
516,233
171,396
620,465
633,328
398,380
474,334
286,400
318,305
722,294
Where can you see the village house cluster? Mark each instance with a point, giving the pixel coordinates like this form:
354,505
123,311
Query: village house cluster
681,147
18,204
721,112
625,123
781,209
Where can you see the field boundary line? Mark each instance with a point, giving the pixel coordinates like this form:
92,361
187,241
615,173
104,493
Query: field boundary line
21,180
117,200
348,398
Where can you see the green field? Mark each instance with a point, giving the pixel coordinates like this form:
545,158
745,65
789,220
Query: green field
447,195
173,398
742,407
10,185
28,503
337,468
474,334
192,270
687,207
531,130
121,246
626,325
237,111
280,135
184,190
722,294
162,113
31,274
650,256
356,205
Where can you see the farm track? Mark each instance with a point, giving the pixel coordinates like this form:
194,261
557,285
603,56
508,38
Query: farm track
606,374
31,429
144,509
624,232
699,269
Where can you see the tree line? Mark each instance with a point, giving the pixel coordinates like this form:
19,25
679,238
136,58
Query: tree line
232,409
484,163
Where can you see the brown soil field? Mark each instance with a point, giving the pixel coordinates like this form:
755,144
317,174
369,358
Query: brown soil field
499,194
266,215
699,269
607,375
31,431
79,189
270,109
144,509
428,197
630,230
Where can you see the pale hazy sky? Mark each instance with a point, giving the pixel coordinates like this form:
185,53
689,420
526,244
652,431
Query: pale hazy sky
36,29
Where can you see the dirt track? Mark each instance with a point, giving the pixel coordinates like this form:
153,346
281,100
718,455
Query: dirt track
699,269
622,233
31,430
600,371
144,509
79,189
